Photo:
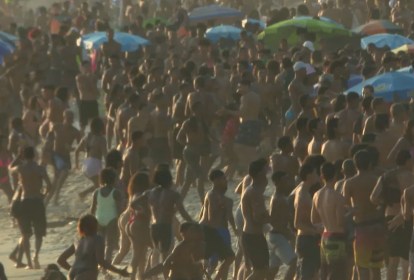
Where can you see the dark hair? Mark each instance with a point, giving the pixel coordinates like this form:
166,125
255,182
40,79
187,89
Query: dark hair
107,177
17,123
277,176
97,126
374,155
402,157
368,138
138,183
339,103
381,122
256,167
305,170
87,225
352,97
187,226
315,160
29,153
301,123
283,142
137,135
362,160
216,174
113,159
163,178
62,93
313,124
331,127
328,171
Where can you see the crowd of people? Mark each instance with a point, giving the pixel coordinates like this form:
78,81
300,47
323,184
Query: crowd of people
183,113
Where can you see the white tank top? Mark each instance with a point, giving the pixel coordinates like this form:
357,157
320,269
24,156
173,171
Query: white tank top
106,209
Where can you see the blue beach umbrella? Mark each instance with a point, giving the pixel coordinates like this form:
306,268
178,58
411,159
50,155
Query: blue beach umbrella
216,33
5,49
213,12
253,21
382,40
408,69
129,42
8,38
389,86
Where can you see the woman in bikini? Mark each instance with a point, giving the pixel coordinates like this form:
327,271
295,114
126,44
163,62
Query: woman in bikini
95,146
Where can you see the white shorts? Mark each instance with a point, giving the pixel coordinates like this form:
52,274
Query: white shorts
281,251
92,167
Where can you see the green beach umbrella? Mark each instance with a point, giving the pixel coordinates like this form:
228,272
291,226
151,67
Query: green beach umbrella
287,29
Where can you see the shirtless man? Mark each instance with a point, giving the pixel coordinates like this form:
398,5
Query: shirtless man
281,235
334,148
63,135
301,141
308,235
163,202
383,140
86,83
193,135
399,117
95,147
407,209
296,90
249,134
255,216
388,192
285,161
369,227
349,116
328,209
111,47
183,262
161,124
135,157
32,208
217,213
316,129
349,171
379,107
114,68
123,119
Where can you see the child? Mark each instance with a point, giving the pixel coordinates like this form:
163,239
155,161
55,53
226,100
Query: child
107,206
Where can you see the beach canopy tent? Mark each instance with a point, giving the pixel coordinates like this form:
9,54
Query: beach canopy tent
391,86
129,42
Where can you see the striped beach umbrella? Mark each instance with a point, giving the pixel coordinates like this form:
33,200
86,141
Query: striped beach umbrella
377,27
214,12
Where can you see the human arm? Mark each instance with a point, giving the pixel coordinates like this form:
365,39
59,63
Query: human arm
376,194
100,257
63,258
81,146
180,207
181,136
46,178
94,202
230,215
400,145
315,217
406,204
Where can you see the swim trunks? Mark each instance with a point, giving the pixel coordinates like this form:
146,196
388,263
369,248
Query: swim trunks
333,255
281,251
256,252
61,162
92,167
249,133
33,214
224,234
411,259
215,244
88,110
398,239
308,252
161,235
192,156
369,244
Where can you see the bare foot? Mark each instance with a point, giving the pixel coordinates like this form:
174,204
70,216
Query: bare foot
20,265
36,263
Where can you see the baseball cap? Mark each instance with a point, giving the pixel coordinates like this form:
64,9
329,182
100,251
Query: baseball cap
309,45
299,65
